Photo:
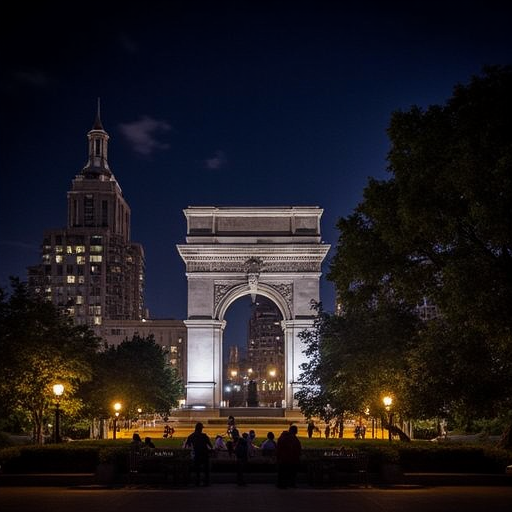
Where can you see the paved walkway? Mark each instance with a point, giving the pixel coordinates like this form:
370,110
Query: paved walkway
256,498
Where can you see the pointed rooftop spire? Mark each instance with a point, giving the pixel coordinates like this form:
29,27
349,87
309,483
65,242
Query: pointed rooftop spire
97,165
97,121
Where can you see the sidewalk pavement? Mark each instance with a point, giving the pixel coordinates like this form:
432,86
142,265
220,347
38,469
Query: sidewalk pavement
405,480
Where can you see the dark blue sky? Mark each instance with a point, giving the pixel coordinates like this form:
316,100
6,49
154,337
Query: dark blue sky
218,103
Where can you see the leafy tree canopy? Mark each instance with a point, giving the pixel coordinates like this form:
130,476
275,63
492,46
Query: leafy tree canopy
135,374
40,347
440,227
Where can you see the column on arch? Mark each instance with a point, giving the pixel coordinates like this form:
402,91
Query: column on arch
204,362
294,350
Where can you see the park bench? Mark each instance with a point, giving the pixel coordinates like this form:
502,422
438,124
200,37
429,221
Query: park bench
159,464
337,467
332,467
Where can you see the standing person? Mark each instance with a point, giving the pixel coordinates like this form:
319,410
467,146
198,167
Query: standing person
311,428
241,448
231,425
202,446
253,449
288,458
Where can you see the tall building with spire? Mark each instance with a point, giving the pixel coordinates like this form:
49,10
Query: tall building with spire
91,269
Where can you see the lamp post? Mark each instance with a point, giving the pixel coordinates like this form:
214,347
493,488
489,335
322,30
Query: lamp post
58,389
117,408
388,401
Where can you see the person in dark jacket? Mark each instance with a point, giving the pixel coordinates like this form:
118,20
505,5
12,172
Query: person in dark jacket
202,446
241,449
288,458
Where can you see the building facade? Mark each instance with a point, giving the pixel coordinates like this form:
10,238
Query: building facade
91,269
170,334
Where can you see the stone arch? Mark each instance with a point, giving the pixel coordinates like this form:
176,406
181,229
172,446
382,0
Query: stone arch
231,252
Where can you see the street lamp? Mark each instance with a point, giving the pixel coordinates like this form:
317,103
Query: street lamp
117,408
388,401
58,389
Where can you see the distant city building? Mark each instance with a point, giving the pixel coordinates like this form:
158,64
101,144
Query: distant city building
265,352
91,269
170,334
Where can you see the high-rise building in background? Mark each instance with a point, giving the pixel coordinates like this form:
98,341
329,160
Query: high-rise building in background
91,269
265,352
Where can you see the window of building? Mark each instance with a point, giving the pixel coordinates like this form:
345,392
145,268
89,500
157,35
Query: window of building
96,248
79,299
71,279
95,310
79,249
95,269
95,258
81,279
104,213
69,249
89,210
59,249
80,260
96,240
97,320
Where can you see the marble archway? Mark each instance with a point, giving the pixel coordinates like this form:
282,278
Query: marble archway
231,252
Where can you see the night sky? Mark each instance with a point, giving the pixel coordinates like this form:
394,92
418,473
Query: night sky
218,103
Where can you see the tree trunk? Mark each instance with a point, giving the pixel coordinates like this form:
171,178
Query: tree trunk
506,438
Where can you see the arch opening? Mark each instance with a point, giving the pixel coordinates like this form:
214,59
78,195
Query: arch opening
254,354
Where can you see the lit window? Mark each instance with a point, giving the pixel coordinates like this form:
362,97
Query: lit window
97,320
95,258
71,311
58,248
71,279
69,249
173,362
81,279
79,299
46,258
80,249
174,349
96,248
80,260
94,310
58,258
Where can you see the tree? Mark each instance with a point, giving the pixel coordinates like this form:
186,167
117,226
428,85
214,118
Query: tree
441,227
354,359
136,374
39,348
